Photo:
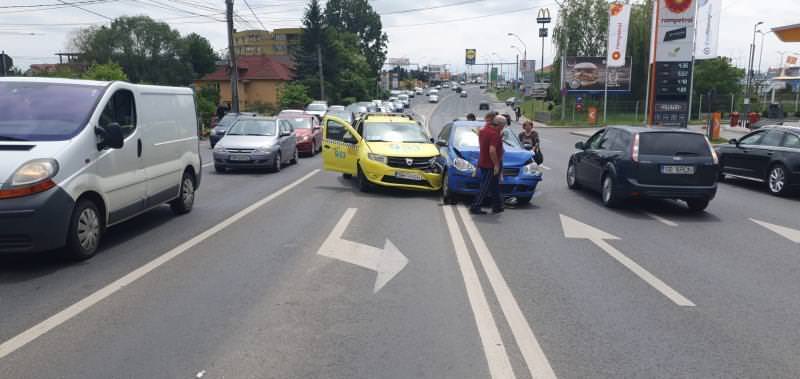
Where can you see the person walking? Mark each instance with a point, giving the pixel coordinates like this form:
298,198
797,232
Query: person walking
490,164
517,112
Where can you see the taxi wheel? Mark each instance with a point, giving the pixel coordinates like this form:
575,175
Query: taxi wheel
363,183
347,176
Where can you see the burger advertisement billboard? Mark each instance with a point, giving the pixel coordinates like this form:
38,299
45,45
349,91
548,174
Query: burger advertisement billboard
588,74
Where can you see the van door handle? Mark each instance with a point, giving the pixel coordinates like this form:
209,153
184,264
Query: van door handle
139,148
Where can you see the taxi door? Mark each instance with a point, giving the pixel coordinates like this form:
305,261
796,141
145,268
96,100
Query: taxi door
340,145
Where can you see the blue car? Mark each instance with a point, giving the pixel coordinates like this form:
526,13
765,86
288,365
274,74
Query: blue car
458,145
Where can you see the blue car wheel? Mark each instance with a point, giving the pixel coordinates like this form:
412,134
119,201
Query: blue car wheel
448,197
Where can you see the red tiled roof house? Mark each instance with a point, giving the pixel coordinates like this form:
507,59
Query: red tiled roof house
260,80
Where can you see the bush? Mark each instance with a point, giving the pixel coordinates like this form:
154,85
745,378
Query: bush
294,95
261,108
105,72
349,100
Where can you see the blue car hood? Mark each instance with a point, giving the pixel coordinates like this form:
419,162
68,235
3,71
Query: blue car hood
511,157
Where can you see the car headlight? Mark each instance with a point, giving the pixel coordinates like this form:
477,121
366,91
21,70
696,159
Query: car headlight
463,165
377,158
264,150
219,149
531,169
32,177
305,138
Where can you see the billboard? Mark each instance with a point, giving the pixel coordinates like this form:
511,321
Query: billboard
398,61
588,74
527,65
470,55
675,39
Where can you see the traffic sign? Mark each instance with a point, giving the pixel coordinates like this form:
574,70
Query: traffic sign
542,32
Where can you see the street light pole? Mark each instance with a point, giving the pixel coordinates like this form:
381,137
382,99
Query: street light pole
525,52
232,55
750,69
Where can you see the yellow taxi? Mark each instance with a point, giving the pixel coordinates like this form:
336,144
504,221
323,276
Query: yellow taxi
390,150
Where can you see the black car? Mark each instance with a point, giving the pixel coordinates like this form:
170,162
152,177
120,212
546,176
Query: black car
769,155
636,162
483,106
222,126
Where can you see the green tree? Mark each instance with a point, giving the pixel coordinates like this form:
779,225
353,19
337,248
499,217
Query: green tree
716,77
305,56
359,18
105,72
294,95
148,51
196,50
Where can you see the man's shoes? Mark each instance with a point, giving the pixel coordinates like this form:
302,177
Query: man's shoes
477,211
498,210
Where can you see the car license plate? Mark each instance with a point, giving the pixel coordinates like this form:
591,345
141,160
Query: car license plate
240,158
677,170
408,176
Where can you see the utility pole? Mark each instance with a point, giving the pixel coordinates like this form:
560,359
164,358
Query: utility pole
232,55
750,70
321,77
3,60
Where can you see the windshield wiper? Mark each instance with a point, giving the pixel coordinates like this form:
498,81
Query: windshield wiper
8,138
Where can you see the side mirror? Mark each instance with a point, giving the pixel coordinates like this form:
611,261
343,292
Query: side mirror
441,143
350,139
316,127
109,136
580,146
733,142
285,133
528,146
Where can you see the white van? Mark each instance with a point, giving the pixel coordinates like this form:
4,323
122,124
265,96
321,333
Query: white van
78,156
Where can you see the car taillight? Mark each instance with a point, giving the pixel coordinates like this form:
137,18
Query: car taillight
635,148
713,152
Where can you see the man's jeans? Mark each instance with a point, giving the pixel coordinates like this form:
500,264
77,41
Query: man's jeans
490,186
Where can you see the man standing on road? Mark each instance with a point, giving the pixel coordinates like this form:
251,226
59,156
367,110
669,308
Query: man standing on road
490,164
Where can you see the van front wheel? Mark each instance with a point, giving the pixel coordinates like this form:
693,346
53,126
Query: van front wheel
85,231
185,201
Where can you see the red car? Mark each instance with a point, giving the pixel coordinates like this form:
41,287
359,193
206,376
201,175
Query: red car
308,131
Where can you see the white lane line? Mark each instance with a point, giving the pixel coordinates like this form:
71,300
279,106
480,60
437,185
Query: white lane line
532,352
545,167
208,164
645,275
660,219
493,348
74,310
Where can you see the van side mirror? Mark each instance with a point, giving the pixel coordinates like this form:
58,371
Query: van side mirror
580,145
109,136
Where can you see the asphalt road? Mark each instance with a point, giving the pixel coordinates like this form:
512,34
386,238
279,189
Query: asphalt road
275,276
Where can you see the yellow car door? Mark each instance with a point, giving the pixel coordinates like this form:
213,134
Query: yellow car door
339,146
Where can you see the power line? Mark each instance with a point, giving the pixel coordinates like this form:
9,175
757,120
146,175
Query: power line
501,13
86,10
254,15
430,8
54,5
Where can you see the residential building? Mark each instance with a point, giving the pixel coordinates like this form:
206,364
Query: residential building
260,81
278,42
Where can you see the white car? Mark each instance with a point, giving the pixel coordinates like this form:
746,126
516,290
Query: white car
82,155
317,109
433,98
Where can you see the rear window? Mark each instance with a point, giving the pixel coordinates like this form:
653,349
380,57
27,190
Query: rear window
673,144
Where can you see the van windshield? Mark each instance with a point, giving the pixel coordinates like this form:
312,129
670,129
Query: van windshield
45,111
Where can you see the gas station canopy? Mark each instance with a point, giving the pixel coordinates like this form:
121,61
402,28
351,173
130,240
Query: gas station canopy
790,33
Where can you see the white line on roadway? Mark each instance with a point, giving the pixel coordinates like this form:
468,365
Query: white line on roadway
545,167
208,164
73,310
493,348
660,219
532,352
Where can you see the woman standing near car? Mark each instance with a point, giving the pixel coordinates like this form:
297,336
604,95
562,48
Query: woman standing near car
531,137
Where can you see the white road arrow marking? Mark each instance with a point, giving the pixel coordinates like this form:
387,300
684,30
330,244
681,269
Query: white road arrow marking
387,262
578,230
789,233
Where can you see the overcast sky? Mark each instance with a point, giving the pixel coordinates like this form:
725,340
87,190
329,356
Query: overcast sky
425,31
